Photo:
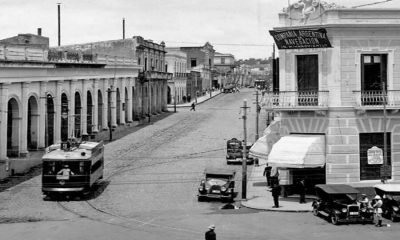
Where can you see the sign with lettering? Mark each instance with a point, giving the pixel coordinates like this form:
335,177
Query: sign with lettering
375,155
301,38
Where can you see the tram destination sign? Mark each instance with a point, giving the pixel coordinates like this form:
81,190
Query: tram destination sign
301,38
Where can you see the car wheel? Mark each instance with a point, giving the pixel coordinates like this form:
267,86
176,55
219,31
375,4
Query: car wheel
393,217
315,211
200,198
334,219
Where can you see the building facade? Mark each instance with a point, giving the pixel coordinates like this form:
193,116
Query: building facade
201,59
50,94
224,65
339,96
176,61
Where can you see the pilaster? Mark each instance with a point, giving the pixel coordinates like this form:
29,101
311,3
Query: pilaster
3,120
23,151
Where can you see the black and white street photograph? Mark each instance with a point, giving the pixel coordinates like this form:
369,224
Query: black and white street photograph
199,119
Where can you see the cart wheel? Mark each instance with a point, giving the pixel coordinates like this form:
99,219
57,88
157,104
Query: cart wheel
315,211
334,219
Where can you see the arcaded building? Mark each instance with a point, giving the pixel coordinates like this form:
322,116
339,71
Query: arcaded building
50,94
337,116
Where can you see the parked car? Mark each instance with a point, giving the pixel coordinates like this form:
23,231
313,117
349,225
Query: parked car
217,183
234,151
339,203
390,194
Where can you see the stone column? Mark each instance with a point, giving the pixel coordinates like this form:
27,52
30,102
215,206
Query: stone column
95,111
128,104
23,149
84,108
42,115
71,112
57,115
105,105
114,105
122,102
3,120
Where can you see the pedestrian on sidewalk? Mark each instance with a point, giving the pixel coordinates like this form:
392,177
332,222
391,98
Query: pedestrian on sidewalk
193,107
276,192
267,174
302,191
378,210
210,234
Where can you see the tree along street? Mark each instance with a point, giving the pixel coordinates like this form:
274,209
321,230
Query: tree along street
150,185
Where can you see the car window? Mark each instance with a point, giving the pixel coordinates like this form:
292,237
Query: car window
216,181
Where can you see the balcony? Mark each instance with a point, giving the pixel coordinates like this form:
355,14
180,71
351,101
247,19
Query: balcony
374,100
296,101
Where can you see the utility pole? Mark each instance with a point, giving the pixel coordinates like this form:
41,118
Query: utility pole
174,98
257,114
59,24
244,149
385,166
123,28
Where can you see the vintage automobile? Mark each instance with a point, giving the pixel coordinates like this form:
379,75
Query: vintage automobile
339,203
390,194
217,183
234,151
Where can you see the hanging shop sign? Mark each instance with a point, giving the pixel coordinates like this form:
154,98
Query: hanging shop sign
375,155
301,38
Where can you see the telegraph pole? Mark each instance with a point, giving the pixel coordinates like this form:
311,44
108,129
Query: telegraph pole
385,166
59,23
257,115
175,99
244,148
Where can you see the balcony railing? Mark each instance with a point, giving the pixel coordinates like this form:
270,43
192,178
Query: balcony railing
375,99
296,100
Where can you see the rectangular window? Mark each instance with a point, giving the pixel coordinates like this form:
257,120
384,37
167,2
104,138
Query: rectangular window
193,62
373,78
307,80
367,141
222,60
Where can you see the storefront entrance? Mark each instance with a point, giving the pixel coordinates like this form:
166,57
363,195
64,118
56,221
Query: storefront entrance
311,177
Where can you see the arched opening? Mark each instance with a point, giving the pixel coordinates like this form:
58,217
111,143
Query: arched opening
13,123
64,117
89,112
33,124
100,110
118,107
77,111
126,105
49,134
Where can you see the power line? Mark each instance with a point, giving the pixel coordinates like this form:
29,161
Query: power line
222,44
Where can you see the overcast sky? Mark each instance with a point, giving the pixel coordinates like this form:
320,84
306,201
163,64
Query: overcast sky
239,27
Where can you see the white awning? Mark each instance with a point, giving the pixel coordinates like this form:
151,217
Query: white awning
260,148
298,151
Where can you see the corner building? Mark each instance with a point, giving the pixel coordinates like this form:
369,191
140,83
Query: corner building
339,95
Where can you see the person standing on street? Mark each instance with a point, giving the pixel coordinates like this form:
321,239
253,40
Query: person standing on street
193,107
378,210
302,191
276,191
210,234
267,174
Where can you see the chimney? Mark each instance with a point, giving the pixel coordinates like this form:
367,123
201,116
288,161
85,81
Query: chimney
39,31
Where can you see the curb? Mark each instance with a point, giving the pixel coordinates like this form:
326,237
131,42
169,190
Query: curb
272,210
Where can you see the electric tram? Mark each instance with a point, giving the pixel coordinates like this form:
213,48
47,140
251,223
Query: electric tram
72,167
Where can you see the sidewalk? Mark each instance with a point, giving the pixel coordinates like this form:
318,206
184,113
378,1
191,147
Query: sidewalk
259,196
199,100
